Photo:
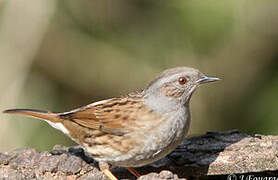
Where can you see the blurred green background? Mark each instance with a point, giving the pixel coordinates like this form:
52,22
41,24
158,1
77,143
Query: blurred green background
61,54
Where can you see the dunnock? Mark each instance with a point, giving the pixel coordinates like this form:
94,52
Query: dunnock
132,130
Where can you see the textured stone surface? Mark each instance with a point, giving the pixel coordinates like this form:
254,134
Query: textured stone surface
163,175
209,156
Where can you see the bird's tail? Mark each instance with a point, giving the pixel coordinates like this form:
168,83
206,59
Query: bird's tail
44,115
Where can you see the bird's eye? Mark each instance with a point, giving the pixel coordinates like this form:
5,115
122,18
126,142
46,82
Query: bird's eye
182,80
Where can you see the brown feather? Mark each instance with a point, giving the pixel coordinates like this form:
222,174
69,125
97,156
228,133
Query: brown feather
44,115
116,116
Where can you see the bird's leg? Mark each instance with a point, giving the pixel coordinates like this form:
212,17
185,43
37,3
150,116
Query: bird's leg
133,171
104,167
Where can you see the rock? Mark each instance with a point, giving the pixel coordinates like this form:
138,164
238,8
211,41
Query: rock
163,175
209,156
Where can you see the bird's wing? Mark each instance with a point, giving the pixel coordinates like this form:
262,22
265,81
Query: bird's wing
116,116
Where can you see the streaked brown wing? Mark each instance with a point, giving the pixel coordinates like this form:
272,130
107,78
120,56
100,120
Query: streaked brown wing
116,116
83,116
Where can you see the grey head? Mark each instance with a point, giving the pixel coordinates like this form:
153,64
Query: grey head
173,88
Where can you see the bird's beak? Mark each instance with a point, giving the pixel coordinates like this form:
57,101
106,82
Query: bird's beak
206,79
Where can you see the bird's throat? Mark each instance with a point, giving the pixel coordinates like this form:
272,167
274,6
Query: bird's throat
163,104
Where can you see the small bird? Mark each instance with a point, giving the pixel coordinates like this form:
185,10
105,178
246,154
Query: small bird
135,129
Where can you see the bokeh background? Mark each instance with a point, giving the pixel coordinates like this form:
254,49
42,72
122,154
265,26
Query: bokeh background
61,54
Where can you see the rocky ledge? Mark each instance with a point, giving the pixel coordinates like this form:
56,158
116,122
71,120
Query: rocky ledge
209,156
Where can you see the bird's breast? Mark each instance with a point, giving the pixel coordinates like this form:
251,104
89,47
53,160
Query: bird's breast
162,138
